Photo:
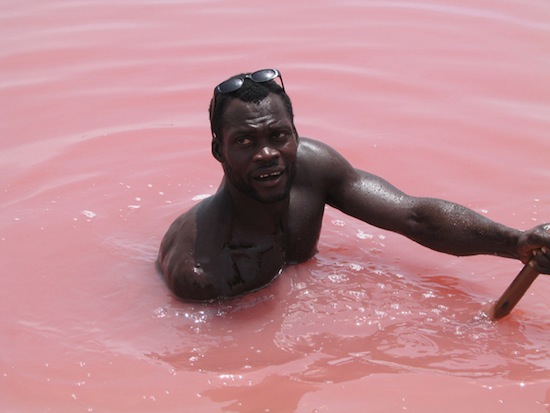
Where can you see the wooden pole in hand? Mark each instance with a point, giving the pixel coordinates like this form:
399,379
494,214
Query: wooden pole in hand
515,291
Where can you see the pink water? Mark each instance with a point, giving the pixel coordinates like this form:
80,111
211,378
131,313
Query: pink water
105,140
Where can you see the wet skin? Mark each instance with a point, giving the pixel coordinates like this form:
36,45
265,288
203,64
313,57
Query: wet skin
268,210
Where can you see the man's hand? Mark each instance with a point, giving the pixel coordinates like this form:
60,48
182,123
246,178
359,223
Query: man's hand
535,243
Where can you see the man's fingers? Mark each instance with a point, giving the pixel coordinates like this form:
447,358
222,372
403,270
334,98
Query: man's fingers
541,260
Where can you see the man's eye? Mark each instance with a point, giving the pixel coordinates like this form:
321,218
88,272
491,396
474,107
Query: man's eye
243,141
280,136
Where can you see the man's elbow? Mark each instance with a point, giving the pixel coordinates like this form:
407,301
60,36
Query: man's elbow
420,227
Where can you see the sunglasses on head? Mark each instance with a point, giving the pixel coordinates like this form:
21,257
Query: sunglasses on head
235,83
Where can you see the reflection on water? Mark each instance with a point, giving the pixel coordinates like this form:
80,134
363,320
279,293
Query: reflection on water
105,141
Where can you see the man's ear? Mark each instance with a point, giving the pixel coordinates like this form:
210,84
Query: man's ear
217,149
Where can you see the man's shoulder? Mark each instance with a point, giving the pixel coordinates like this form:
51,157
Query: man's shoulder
313,147
312,150
321,160
185,221
186,224
193,232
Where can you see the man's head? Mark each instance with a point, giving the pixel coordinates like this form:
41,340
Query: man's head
248,87
254,138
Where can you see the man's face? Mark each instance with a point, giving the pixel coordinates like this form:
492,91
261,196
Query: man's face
258,148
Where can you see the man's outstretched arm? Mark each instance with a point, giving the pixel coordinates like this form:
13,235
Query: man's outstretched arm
435,223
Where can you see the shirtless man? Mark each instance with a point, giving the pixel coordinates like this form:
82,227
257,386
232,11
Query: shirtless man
268,209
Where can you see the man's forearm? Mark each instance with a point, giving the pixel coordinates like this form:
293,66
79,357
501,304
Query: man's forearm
451,228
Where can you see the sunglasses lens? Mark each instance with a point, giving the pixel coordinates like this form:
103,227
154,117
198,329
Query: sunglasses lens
230,85
264,75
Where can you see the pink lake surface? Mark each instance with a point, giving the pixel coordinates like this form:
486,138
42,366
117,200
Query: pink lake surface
105,140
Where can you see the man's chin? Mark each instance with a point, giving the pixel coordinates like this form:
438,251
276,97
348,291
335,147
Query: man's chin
276,193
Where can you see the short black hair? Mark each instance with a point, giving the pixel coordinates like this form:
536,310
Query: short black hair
250,91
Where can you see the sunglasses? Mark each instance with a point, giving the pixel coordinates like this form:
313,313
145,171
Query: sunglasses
260,76
235,83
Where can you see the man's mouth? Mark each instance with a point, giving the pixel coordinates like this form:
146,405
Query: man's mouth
268,176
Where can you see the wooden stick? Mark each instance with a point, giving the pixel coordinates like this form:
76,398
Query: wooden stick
515,291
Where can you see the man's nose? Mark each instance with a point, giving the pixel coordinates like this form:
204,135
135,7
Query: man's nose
266,153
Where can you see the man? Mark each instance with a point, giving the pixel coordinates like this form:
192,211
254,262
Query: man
268,209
